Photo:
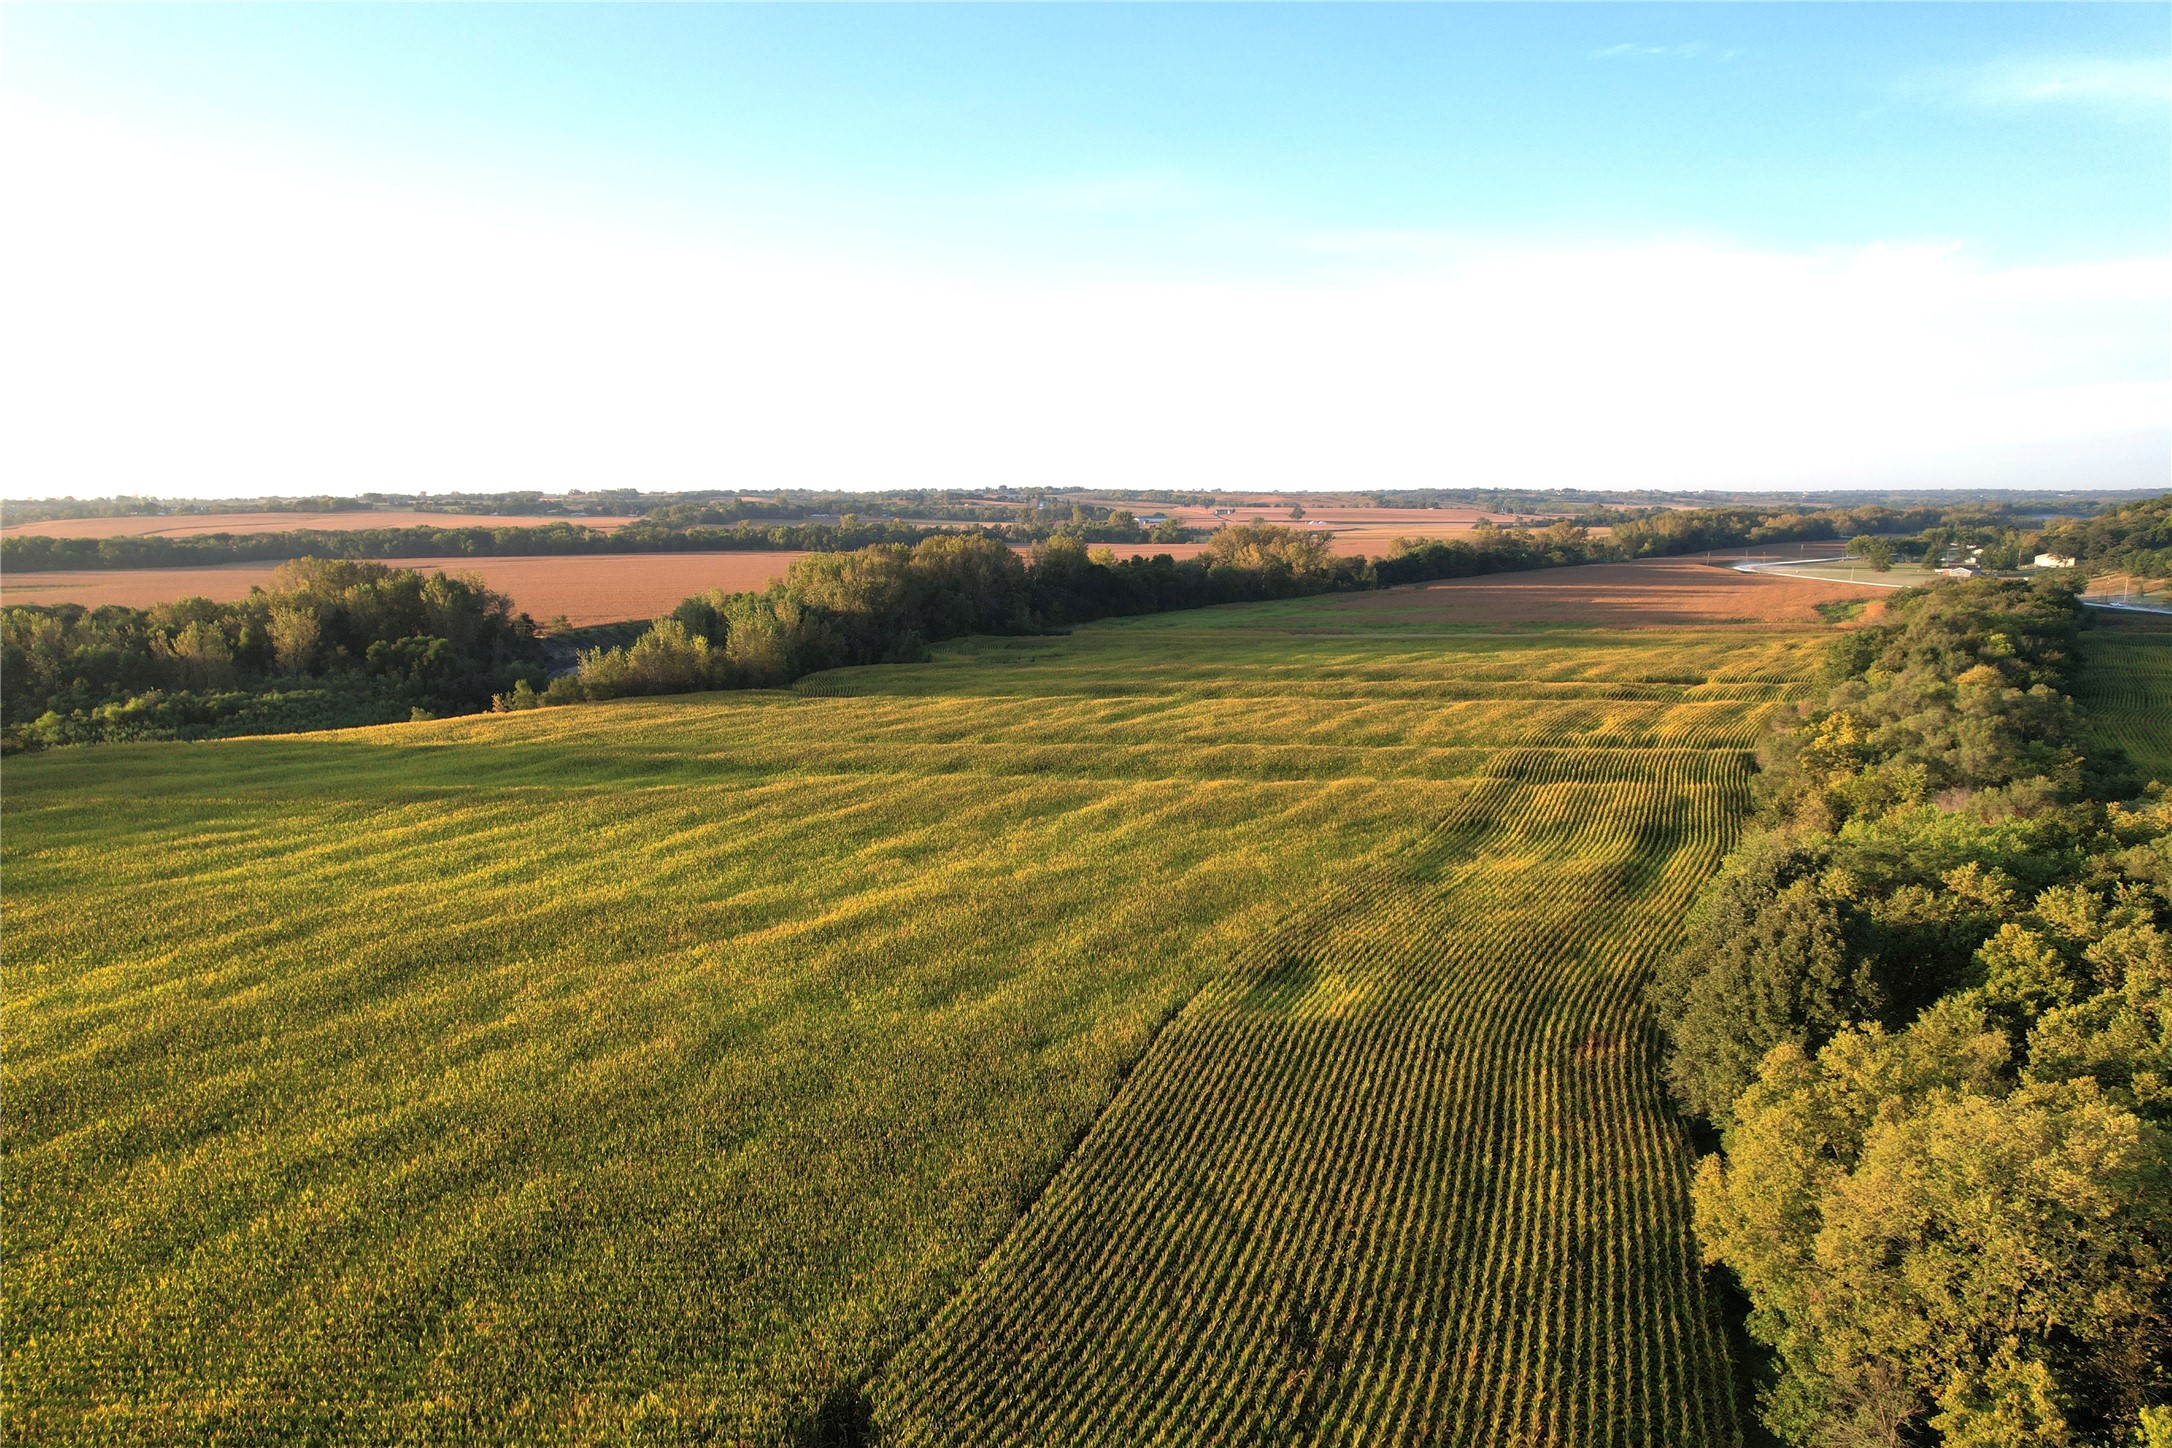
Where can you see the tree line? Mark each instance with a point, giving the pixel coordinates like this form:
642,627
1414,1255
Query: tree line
1928,1005
331,643
703,505
885,604
2133,539
335,642
35,553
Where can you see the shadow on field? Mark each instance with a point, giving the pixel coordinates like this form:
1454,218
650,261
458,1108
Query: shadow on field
1756,1367
843,1419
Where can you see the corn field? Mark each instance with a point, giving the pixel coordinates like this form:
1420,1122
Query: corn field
1200,1029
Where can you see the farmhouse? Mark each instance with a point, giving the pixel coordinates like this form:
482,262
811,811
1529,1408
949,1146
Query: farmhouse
2054,560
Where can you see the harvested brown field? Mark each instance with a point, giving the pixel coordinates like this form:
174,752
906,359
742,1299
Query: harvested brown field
586,588
1653,592
196,524
1367,531
609,587
1377,540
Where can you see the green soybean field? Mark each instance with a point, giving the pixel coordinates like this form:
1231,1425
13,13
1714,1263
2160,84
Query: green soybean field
2126,685
1221,1027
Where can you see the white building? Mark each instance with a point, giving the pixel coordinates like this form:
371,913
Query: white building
2054,560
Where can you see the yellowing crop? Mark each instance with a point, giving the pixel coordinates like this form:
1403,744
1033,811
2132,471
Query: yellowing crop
1207,1028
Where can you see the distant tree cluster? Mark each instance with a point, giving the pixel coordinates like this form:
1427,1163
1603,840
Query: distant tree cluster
339,642
1930,1007
127,505
887,603
330,643
2134,539
1662,533
1490,549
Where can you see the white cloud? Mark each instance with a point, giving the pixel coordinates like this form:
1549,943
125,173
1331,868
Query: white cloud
1691,50
177,324
2071,81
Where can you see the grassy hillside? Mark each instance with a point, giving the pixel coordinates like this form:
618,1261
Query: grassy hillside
666,1071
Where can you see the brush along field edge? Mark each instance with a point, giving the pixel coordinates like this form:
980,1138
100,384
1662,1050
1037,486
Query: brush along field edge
652,1070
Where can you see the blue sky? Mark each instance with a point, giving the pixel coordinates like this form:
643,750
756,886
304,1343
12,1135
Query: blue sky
1316,245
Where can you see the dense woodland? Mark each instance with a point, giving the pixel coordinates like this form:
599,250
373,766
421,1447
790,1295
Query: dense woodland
1929,1006
330,643
2134,539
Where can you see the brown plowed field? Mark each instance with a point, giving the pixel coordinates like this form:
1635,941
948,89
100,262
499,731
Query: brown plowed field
195,524
606,588
1656,591
1368,531
586,588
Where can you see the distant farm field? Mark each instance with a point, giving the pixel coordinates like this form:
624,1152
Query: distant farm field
1369,532
587,588
1630,595
611,587
188,525
2126,685
1219,1027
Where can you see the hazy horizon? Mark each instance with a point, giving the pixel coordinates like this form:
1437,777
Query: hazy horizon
332,249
